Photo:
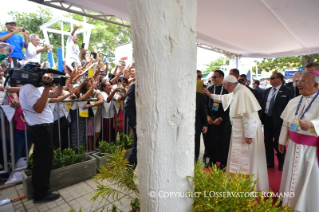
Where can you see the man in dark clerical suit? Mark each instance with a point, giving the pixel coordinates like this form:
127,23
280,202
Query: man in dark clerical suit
275,100
200,118
259,91
219,127
293,85
130,110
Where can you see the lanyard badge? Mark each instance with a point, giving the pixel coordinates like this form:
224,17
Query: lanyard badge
294,125
216,106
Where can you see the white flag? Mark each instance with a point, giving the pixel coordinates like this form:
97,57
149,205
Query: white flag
9,111
94,108
52,106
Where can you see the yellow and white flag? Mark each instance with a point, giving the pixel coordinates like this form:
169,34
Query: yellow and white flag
66,106
83,112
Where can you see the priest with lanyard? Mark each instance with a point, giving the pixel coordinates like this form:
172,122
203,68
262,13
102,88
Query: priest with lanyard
219,127
301,128
247,153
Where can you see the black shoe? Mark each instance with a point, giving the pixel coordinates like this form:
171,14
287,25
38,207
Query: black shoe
270,166
48,198
222,166
280,167
208,165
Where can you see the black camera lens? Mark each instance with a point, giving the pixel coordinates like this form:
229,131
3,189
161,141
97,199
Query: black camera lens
23,29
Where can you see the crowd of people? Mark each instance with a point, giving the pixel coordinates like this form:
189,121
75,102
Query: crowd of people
102,87
236,114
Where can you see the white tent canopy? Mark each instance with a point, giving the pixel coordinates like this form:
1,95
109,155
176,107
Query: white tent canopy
247,28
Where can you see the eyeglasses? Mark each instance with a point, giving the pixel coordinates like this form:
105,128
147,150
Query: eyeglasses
303,82
273,78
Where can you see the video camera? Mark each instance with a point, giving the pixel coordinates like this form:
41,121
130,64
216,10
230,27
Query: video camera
32,73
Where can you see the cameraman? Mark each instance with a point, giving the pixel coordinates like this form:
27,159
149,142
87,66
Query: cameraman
40,119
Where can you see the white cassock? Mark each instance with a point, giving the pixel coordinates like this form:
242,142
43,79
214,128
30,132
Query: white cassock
301,172
243,157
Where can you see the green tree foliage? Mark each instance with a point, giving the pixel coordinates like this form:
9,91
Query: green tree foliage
212,66
282,63
105,36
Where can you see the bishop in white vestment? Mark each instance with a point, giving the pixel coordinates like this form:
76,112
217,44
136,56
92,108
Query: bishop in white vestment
301,129
247,149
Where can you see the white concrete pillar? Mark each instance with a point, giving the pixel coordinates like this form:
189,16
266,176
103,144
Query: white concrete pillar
164,36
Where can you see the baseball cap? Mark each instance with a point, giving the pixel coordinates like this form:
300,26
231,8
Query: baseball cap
9,21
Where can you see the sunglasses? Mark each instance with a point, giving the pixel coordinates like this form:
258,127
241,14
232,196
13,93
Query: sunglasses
273,78
214,77
200,76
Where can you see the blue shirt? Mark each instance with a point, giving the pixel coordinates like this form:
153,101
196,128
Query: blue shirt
16,41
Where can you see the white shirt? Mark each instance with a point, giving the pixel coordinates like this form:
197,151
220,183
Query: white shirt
31,53
29,95
270,95
72,50
108,108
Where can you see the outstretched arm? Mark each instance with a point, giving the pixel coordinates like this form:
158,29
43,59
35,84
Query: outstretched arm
75,28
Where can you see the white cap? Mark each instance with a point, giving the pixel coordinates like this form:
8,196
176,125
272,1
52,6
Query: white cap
231,79
9,21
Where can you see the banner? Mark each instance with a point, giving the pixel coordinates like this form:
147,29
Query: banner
9,111
83,112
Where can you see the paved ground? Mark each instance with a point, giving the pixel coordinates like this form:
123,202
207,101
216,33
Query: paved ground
76,196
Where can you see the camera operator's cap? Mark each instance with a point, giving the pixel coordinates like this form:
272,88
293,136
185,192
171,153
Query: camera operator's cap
10,21
230,78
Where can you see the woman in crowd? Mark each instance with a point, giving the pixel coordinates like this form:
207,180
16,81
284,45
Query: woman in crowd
109,112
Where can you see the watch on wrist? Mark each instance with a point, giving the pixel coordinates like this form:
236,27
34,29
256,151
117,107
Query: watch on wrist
221,118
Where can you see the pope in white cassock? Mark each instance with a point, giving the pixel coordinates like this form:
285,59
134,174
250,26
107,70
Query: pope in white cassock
247,149
301,129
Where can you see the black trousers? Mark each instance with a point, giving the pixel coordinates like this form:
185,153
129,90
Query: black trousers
219,141
64,128
271,134
132,159
198,131
41,136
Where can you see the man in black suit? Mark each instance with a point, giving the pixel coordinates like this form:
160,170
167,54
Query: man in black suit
200,118
275,100
219,128
130,110
293,85
260,92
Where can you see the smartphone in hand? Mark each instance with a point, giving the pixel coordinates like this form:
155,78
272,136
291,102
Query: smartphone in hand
83,44
94,55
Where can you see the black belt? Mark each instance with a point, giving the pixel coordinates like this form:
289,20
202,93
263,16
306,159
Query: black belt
42,125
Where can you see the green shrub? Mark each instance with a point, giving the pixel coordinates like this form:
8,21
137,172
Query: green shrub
106,147
67,158
120,180
217,181
125,141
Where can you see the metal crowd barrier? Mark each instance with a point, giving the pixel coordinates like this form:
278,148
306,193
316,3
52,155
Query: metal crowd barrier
4,120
